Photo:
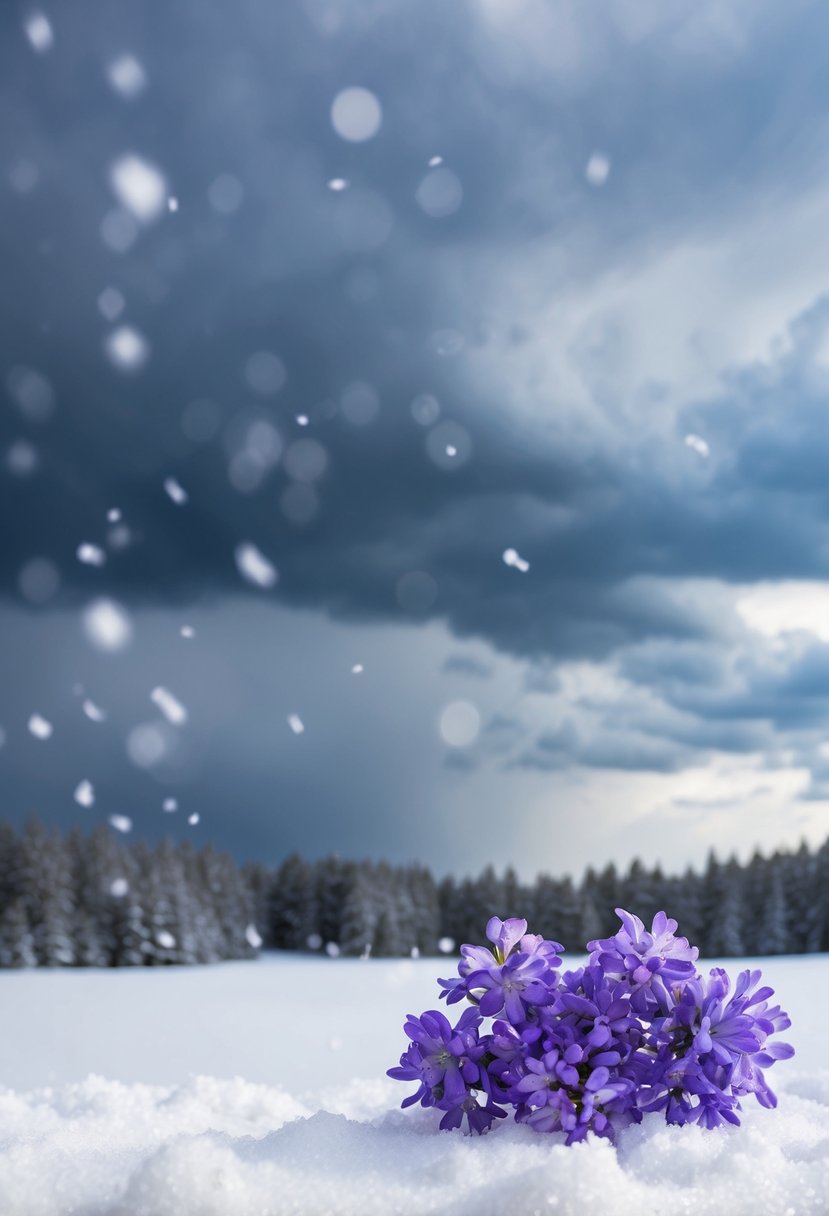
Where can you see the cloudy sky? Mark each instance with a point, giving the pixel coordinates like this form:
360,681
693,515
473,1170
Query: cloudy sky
415,426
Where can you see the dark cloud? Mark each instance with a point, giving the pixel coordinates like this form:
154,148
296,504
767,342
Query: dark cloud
528,314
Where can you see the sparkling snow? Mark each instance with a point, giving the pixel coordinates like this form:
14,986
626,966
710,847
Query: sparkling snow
111,1108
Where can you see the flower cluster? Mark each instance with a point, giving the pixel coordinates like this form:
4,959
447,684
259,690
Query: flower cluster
636,1029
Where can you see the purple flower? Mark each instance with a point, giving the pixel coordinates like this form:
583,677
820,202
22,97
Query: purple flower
589,1051
715,1049
444,1060
650,961
502,979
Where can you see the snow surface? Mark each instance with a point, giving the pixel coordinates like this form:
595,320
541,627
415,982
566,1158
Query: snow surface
297,1116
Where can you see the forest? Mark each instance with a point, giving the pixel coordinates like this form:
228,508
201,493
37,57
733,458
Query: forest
96,900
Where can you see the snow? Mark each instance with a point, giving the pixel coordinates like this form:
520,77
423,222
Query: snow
111,303
697,444
121,823
356,114
296,724
128,349
460,724
84,793
169,705
511,557
254,566
107,625
39,32
40,727
127,76
93,711
175,491
91,555
111,1108
597,170
139,186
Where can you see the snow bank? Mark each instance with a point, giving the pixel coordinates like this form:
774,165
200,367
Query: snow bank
301,1135
231,1147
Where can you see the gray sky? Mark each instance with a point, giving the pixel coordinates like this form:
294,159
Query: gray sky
551,281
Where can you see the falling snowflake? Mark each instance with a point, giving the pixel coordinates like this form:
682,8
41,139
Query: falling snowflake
338,183
113,515
107,625
139,186
169,705
187,631
253,937
93,711
356,114
434,161
91,555
597,169
40,727
121,823
127,76
254,566
172,203
119,887
698,445
302,419
193,819
84,793
511,557
111,303
170,805
356,669
128,349
39,32
296,724
165,939
175,491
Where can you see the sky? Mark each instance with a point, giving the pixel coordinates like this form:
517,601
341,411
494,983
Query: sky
413,440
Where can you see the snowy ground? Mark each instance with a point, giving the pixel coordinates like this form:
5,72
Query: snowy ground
259,1088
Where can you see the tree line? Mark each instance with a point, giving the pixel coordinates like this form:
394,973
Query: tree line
97,900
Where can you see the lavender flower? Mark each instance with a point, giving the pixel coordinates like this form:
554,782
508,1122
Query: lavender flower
715,1049
650,961
444,1060
499,979
636,1030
